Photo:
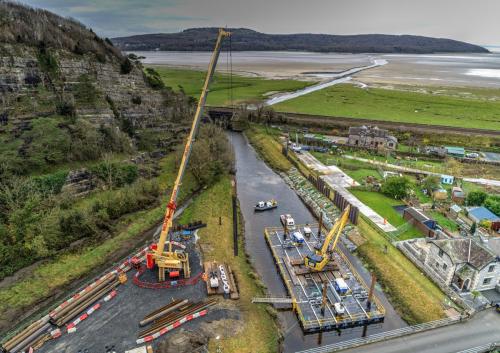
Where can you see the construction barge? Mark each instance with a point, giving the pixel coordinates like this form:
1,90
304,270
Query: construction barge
334,298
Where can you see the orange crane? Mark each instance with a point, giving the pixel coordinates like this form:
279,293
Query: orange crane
179,260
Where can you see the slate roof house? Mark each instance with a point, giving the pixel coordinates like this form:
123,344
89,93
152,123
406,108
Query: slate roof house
371,137
464,264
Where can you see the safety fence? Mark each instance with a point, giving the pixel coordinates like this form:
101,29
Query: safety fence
491,347
166,284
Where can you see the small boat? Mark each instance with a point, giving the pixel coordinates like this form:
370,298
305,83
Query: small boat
287,221
266,205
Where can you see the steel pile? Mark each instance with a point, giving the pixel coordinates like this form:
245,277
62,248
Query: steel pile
172,315
63,315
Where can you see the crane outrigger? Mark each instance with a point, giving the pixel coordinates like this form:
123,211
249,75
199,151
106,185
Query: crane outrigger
179,260
318,259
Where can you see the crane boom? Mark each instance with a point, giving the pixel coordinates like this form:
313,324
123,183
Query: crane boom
318,260
164,259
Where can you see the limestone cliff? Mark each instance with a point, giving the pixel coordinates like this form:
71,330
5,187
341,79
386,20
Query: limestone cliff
55,66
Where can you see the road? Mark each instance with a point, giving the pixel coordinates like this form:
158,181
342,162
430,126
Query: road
483,328
340,77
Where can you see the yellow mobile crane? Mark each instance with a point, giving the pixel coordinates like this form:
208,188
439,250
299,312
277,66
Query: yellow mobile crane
179,260
319,259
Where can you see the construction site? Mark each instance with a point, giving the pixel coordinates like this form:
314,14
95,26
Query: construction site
167,272
325,291
167,284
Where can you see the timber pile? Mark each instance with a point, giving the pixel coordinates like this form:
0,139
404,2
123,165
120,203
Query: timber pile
29,336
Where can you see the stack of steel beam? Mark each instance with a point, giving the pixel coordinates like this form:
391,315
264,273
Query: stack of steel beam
24,339
170,319
64,314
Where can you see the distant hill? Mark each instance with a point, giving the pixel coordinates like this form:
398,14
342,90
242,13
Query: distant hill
203,39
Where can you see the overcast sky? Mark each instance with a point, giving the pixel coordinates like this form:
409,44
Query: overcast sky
475,21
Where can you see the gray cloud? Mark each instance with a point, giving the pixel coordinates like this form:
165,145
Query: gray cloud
473,21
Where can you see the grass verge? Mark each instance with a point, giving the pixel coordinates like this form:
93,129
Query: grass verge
260,333
267,146
391,105
411,293
68,267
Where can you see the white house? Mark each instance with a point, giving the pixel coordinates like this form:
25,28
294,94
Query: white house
464,264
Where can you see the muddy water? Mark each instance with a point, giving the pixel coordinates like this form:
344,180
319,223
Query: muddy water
256,181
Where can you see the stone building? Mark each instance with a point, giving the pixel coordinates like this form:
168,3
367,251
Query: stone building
371,137
464,264
421,221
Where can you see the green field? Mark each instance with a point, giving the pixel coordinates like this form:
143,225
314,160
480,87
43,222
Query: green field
245,89
443,221
381,204
436,107
361,174
346,100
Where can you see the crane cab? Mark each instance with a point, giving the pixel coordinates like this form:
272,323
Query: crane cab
315,261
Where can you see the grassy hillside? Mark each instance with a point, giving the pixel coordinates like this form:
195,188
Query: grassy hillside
203,39
245,89
346,100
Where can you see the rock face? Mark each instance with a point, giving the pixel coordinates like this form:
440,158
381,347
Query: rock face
79,182
28,92
51,65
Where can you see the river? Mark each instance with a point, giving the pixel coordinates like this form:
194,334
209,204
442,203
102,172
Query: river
256,181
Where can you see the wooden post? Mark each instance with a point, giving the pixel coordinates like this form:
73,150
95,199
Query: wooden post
370,293
235,220
323,300
320,224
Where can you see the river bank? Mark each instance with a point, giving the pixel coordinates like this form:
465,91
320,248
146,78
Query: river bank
257,181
